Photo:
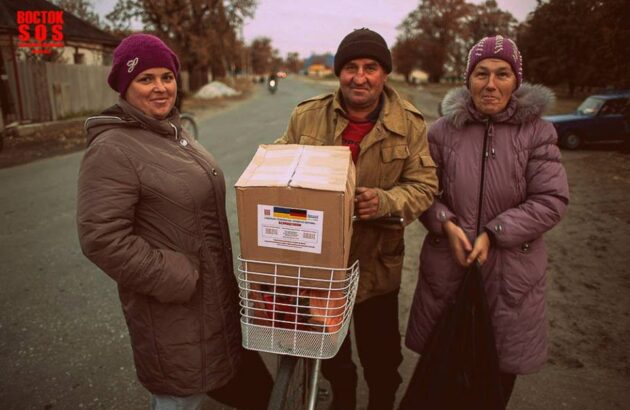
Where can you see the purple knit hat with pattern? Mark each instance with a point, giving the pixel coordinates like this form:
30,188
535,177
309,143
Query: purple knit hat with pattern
137,53
498,47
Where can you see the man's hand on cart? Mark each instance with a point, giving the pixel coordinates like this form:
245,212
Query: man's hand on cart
366,203
366,206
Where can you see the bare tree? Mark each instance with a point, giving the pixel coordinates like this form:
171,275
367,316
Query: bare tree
202,32
435,25
405,57
261,55
437,35
293,62
83,9
485,19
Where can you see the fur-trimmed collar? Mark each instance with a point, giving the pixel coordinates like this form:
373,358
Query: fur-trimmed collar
527,103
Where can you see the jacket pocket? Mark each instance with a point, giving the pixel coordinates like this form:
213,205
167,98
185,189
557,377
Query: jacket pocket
391,248
194,259
427,161
393,160
308,140
388,260
522,268
394,152
438,269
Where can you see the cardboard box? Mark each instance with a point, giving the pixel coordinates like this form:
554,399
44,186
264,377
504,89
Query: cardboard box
295,206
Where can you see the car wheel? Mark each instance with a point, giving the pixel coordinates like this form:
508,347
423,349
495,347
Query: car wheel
571,141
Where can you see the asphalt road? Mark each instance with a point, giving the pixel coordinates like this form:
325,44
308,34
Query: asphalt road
63,339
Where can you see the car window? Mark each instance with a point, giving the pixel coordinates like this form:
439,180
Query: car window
590,106
614,107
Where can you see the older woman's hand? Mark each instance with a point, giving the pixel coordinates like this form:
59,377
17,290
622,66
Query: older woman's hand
480,249
460,245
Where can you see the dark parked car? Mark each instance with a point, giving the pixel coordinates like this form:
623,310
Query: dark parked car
602,117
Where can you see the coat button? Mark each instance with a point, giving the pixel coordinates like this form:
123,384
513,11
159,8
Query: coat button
183,142
498,228
525,247
442,216
214,172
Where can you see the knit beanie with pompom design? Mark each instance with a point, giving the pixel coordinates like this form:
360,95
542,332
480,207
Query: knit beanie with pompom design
498,47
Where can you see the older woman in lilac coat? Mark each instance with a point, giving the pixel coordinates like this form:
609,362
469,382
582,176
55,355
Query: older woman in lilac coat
503,186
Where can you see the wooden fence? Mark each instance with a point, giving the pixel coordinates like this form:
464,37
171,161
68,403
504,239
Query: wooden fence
51,91
78,89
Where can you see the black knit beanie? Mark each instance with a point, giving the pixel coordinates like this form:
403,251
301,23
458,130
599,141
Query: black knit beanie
363,43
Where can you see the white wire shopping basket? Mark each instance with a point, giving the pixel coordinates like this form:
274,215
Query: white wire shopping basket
295,310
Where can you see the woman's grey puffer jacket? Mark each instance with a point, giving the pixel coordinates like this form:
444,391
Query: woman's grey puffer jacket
517,189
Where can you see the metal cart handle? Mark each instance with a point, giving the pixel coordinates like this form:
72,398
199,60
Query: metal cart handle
383,219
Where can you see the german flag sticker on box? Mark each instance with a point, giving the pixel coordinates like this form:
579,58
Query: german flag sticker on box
290,228
295,205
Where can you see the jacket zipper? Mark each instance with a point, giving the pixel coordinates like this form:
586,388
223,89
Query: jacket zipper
176,133
209,170
228,253
184,143
484,157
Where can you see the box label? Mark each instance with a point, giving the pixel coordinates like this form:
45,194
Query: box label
290,228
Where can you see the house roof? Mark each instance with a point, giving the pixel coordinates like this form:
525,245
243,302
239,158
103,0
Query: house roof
74,28
327,59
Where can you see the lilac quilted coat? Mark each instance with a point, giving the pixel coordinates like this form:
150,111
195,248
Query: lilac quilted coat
502,174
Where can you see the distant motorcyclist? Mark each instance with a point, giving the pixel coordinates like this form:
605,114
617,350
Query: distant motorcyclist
272,83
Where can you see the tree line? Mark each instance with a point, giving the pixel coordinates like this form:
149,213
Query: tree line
578,43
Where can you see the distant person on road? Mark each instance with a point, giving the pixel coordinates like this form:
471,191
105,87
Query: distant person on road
503,186
272,82
395,176
151,214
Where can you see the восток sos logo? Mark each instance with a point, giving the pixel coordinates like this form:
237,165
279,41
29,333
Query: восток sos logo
41,31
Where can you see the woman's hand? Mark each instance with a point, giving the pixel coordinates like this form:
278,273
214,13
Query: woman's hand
460,245
480,249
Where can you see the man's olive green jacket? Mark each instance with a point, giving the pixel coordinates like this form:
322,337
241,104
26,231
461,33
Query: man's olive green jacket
394,159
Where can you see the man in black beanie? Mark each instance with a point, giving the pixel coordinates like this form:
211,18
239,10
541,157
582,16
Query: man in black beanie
395,177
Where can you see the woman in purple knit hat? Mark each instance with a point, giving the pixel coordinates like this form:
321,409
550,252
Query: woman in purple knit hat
503,186
151,215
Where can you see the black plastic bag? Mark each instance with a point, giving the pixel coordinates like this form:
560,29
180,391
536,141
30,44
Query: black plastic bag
459,367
